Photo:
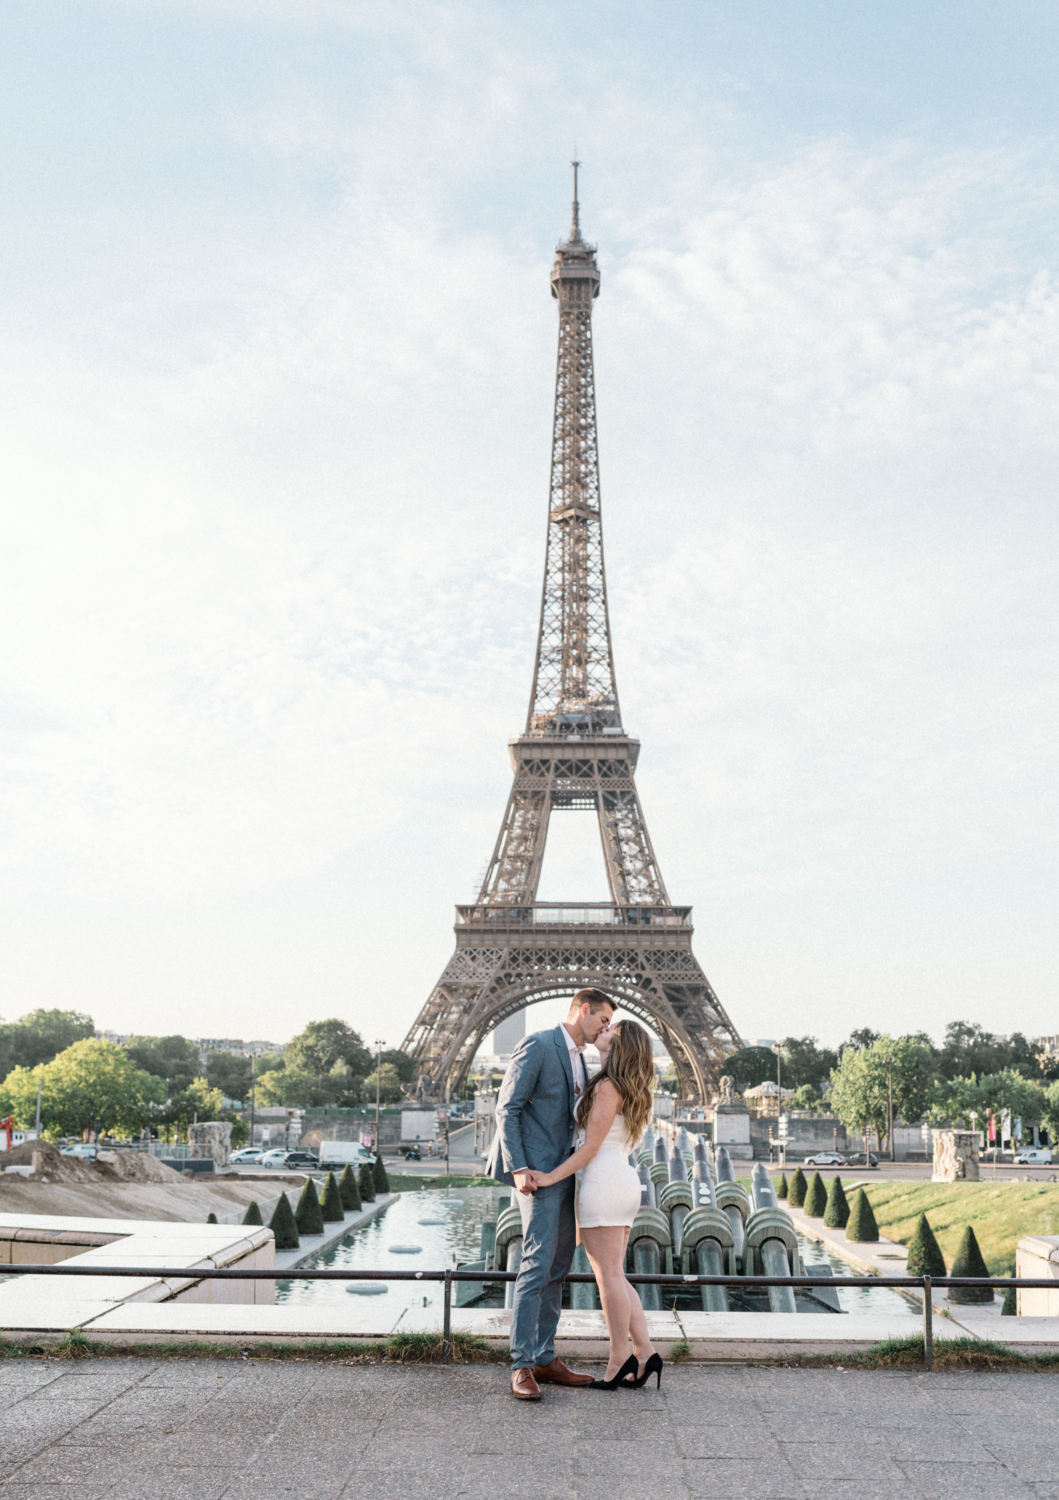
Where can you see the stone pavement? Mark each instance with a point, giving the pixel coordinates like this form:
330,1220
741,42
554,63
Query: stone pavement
136,1429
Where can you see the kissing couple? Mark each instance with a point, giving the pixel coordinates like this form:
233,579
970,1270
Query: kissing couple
563,1141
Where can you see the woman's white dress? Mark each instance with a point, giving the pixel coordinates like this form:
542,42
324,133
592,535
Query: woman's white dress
608,1188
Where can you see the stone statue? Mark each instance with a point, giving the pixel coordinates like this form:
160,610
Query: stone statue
726,1095
212,1138
955,1156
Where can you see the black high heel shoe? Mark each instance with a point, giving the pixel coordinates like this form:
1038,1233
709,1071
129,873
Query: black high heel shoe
652,1367
628,1368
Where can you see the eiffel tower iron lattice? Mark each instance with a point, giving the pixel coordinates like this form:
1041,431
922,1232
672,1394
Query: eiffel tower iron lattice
512,949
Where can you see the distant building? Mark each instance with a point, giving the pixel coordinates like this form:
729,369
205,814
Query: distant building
208,1044
1046,1046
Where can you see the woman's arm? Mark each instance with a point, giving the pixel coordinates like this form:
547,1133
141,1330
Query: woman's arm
605,1103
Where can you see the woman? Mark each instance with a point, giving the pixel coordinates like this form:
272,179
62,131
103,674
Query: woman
613,1113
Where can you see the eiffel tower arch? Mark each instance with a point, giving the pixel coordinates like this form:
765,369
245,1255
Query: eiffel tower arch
512,949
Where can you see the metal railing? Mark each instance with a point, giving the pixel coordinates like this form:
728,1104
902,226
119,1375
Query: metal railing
925,1284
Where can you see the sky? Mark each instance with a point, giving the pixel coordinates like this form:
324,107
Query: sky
277,360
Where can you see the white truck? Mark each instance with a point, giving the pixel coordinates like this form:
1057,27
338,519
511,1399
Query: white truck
338,1153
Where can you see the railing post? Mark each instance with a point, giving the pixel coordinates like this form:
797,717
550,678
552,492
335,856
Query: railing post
446,1324
928,1325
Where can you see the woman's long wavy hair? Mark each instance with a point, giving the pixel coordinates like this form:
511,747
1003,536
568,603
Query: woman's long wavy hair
630,1066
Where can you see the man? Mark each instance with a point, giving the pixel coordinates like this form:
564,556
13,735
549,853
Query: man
535,1131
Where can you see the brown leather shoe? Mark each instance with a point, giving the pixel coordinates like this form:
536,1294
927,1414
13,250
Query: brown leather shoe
561,1374
523,1385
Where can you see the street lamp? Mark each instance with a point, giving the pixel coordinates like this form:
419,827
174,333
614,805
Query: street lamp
778,1049
378,1093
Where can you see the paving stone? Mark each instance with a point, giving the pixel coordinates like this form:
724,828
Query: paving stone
1036,1462
964,1481
743,1479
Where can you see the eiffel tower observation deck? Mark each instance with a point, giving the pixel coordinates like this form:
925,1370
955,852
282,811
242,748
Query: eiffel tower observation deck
512,949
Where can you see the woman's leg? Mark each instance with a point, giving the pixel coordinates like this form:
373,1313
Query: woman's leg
605,1248
641,1339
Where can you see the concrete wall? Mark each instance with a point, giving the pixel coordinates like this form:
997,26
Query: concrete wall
1037,1256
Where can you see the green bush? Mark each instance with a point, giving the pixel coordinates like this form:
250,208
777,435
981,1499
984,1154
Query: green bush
796,1191
347,1186
836,1214
924,1253
781,1187
1011,1304
816,1198
211,1218
969,1262
378,1172
331,1210
862,1228
366,1183
283,1225
307,1215
253,1214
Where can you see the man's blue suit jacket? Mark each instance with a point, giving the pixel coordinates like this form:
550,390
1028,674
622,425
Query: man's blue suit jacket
535,1107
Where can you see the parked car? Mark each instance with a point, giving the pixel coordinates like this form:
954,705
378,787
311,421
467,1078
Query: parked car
249,1155
859,1159
276,1158
82,1149
1034,1156
301,1159
825,1159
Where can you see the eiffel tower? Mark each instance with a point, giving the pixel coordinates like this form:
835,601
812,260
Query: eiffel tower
512,949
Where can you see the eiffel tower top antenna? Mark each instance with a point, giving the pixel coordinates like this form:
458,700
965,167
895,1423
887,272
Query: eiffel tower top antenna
575,228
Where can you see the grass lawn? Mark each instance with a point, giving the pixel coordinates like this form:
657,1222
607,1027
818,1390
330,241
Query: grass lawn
409,1182
1001,1213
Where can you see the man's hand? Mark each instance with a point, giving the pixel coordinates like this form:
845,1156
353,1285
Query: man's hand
524,1180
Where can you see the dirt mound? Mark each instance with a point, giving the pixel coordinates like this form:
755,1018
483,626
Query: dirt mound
109,1166
134,1166
55,1167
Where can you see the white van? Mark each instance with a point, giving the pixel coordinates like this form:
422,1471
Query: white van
338,1153
1035,1156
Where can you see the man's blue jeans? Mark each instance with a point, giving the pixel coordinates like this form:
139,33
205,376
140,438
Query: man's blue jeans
547,1253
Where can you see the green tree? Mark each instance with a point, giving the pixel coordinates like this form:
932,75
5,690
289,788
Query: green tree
331,1207
865,1037
253,1214
211,1218
751,1066
815,1198
806,1096
322,1044
196,1102
969,1262
805,1062
39,1036
174,1059
390,1091
924,1252
347,1186
307,1215
291,1088
862,1228
798,1189
93,1085
859,1085
405,1065
379,1177
836,1214
283,1225
1009,1091
366,1183
781,1187
229,1073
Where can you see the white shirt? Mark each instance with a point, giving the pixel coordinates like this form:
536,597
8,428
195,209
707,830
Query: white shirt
577,1063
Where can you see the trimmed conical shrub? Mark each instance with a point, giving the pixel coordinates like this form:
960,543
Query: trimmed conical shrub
331,1210
816,1198
781,1187
796,1191
836,1214
347,1187
924,1253
378,1172
211,1218
253,1214
366,1183
862,1228
969,1262
307,1215
283,1226
1011,1303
